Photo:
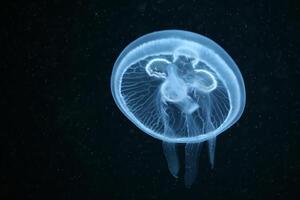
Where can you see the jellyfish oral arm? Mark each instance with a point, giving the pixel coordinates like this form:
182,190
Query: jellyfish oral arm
174,90
171,157
191,162
188,105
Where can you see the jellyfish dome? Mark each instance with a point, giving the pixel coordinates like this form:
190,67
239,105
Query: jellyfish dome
179,87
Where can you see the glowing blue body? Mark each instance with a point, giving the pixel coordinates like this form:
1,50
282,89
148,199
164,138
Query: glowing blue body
179,87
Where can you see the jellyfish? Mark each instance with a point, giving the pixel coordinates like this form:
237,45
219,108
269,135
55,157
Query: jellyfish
182,88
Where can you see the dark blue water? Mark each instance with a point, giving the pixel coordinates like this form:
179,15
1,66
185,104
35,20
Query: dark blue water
64,137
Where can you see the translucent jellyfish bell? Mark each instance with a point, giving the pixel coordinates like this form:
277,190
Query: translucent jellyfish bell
179,87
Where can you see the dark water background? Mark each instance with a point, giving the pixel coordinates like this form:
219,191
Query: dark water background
64,138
